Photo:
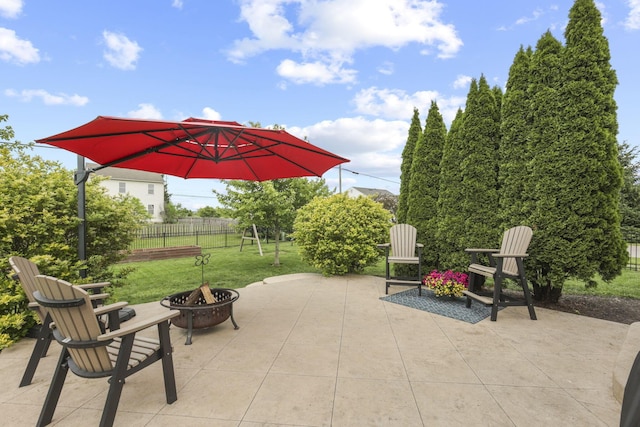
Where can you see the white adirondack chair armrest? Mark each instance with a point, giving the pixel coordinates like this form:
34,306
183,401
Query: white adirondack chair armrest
482,251
86,286
109,308
419,245
510,255
98,296
139,325
384,245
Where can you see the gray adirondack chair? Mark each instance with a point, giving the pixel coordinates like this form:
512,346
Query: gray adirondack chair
25,272
506,262
91,353
403,249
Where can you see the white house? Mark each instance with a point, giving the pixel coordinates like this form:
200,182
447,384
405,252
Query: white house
148,187
370,192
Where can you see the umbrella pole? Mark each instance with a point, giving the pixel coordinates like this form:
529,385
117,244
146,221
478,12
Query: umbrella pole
80,179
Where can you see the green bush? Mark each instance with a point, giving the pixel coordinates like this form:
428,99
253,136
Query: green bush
338,234
15,318
39,221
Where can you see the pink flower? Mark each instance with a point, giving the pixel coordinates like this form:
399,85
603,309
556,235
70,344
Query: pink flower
447,283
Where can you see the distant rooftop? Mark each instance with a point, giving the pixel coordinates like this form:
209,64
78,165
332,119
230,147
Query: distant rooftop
373,191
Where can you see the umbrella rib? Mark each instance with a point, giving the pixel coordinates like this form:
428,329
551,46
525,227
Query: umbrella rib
203,147
277,142
242,157
165,144
132,156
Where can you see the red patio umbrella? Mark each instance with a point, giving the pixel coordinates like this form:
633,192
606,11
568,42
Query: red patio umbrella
196,148
193,148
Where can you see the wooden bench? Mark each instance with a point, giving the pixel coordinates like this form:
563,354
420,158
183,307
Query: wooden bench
163,253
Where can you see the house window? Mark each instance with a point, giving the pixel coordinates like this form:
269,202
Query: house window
122,187
151,189
150,209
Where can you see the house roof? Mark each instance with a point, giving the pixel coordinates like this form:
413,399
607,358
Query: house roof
373,191
127,174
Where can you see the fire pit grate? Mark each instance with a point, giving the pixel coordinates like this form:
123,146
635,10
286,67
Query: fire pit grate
200,314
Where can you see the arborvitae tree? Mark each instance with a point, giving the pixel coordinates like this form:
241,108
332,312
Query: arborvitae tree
415,131
451,242
582,229
498,95
425,183
513,152
590,88
479,169
543,187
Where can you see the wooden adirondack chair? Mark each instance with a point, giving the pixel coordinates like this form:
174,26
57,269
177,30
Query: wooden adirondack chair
403,249
26,272
91,353
506,262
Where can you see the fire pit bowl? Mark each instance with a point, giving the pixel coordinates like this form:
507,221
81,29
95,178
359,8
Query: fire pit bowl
200,315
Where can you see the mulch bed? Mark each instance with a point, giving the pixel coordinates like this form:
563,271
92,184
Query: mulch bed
615,309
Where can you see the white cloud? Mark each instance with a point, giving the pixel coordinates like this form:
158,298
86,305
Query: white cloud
145,111
398,104
315,72
47,98
373,146
15,50
121,52
534,16
210,114
330,32
461,81
633,19
177,4
604,17
10,8
386,68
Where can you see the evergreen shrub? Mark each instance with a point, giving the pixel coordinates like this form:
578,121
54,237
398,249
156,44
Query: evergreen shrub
339,235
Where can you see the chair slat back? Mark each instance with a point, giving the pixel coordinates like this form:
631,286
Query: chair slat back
75,323
403,240
515,241
27,271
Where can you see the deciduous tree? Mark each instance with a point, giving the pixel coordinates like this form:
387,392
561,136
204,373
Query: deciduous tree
270,204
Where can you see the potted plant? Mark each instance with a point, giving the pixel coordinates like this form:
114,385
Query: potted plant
450,283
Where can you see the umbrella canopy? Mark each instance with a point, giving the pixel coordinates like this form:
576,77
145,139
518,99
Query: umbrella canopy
195,148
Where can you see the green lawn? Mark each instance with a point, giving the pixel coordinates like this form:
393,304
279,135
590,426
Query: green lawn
625,285
230,268
227,268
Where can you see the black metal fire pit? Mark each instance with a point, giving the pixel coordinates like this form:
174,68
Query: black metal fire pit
201,315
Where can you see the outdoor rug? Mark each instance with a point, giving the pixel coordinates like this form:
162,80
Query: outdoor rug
444,306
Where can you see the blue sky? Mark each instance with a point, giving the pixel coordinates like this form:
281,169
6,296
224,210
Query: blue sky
346,74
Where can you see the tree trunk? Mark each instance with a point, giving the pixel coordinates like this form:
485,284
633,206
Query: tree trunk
546,293
276,259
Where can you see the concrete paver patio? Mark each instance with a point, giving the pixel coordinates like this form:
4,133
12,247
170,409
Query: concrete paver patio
317,351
